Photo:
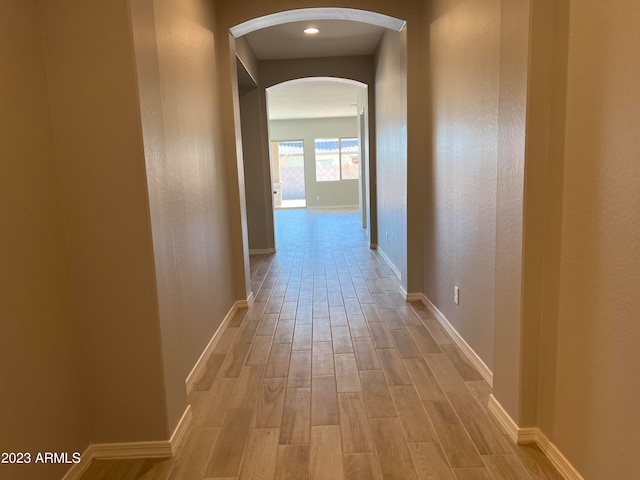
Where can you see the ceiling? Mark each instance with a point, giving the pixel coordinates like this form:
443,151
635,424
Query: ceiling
314,98
337,38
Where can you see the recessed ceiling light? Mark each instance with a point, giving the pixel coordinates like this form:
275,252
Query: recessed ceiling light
311,31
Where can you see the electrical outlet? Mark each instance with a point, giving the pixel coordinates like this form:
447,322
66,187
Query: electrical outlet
317,197
387,237
456,295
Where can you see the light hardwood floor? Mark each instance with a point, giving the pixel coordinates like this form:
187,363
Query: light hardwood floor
332,375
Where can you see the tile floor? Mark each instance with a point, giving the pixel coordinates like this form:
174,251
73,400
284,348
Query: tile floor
332,375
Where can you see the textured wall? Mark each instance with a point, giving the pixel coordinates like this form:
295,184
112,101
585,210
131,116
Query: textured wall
95,111
257,175
597,424
42,399
391,148
343,193
461,198
186,178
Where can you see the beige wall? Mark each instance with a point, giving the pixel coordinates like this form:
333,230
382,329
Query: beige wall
257,175
391,148
595,420
332,194
42,400
92,83
175,57
461,198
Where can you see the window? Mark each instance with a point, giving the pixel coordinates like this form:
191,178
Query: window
337,159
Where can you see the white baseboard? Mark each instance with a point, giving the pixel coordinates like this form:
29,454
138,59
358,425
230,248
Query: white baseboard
556,457
334,207
113,451
473,357
181,429
201,364
409,297
389,262
534,435
246,303
77,470
262,251
503,418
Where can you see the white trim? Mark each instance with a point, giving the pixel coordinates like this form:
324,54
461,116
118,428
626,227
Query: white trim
527,435
77,470
262,251
503,418
246,303
389,262
471,354
534,435
114,451
556,457
409,297
403,292
320,13
201,364
181,429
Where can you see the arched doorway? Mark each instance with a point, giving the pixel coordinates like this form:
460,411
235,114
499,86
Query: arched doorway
357,67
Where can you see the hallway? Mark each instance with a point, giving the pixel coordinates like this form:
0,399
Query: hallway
331,375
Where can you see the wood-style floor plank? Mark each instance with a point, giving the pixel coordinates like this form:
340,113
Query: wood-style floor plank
292,462
413,418
457,446
300,369
361,466
381,336
227,453
430,462
423,339
366,357
472,474
302,337
322,359
393,453
506,467
376,394
423,379
215,403
356,432
405,344
324,401
296,417
259,353
260,457
278,364
484,434
270,403
461,363
341,340
359,369
347,378
248,387
393,368
325,458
